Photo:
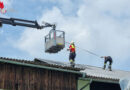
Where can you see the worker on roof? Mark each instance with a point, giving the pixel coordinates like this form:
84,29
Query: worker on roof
107,59
72,54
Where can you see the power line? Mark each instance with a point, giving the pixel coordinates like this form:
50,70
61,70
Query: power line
86,50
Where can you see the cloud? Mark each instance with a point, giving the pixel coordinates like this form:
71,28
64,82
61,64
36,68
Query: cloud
101,26
67,6
31,43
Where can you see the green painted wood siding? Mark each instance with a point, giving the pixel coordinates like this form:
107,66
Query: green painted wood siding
82,83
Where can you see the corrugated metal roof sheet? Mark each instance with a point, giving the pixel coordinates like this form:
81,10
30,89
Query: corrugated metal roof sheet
98,72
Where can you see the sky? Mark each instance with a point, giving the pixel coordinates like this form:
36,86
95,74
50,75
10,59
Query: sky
100,26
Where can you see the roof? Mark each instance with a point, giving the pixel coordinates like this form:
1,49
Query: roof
37,63
91,72
101,74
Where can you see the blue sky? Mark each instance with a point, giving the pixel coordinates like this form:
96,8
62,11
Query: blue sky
101,26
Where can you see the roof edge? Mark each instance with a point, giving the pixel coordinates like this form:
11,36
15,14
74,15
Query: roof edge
101,80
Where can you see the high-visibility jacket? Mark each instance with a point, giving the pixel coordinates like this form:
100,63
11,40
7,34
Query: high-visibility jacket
72,48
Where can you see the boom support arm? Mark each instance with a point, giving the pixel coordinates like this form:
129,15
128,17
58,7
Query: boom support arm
20,22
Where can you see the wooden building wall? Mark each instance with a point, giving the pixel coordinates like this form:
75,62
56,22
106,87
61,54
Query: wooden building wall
14,77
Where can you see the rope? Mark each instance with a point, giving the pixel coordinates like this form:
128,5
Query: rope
86,50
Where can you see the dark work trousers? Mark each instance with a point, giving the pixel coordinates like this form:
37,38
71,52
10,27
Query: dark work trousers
72,56
72,59
108,60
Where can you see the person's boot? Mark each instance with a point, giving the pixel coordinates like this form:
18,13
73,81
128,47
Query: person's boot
104,67
109,68
73,64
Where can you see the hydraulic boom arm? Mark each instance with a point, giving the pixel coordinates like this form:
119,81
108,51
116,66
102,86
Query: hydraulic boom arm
20,22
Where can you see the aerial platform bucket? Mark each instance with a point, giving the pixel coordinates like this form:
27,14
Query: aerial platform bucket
54,41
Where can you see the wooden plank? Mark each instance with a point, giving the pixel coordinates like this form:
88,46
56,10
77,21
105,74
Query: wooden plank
26,78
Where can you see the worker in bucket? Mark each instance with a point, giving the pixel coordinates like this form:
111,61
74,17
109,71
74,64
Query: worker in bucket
107,59
72,54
